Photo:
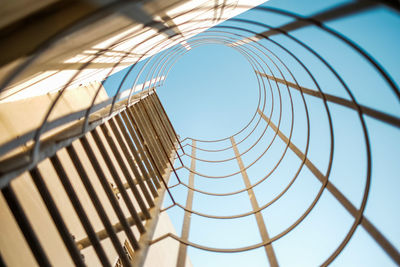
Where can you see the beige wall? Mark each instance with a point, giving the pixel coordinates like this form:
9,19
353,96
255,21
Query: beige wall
165,252
60,63
22,116
17,118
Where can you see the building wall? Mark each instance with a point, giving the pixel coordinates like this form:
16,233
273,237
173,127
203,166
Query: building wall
165,252
26,100
27,114
111,44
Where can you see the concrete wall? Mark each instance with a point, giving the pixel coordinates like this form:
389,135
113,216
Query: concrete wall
114,39
25,115
165,252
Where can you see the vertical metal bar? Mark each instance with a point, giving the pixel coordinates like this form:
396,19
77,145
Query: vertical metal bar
189,203
145,135
107,189
169,121
163,118
114,173
386,118
154,123
157,124
144,150
383,242
56,216
62,175
163,128
97,204
166,156
254,204
159,142
146,158
150,134
130,137
146,238
157,137
25,226
148,142
128,157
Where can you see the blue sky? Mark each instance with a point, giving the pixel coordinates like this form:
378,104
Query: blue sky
212,92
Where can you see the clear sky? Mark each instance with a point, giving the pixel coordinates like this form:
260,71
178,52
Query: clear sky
212,92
